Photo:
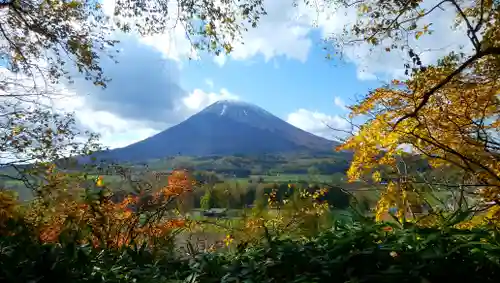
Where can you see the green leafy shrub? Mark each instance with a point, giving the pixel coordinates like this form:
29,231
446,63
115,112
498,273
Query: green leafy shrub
357,252
360,253
24,260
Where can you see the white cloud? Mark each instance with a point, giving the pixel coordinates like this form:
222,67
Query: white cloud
279,33
285,31
117,131
318,123
339,103
374,62
199,99
220,59
174,43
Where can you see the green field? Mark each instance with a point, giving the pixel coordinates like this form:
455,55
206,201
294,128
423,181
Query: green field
292,178
282,178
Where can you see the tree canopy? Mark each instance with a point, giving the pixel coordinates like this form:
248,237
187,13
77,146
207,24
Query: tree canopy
447,111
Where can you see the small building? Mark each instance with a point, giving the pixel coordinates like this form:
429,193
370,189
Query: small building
215,212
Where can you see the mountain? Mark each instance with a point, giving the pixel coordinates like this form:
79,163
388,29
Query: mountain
224,128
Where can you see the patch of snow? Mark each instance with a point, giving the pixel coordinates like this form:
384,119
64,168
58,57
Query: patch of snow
224,107
236,107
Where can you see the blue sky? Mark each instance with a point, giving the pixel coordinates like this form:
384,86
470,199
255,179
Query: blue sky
282,85
281,67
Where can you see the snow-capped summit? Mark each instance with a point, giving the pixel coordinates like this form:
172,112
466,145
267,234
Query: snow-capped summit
235,108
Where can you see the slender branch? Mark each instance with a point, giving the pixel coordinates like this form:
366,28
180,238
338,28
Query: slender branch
471,31
429,93
438,5
481,19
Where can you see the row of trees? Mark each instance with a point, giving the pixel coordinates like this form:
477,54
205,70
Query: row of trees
237,196
243,167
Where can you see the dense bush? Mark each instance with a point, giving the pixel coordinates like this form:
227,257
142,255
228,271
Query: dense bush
356,252
298,238
25,260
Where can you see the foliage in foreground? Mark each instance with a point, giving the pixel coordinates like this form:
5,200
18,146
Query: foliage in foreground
98,239
447,112
354,252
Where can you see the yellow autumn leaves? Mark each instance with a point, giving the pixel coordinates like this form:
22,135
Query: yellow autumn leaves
99,181
448,112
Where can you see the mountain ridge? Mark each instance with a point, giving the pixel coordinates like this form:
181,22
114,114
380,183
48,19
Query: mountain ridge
225,127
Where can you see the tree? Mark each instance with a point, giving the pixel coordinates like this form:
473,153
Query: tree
48,43
38,137
206,202
204,177
313,171
338,179
448,112
249,196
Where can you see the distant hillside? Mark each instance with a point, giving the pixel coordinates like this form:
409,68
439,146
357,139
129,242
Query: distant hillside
224,128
